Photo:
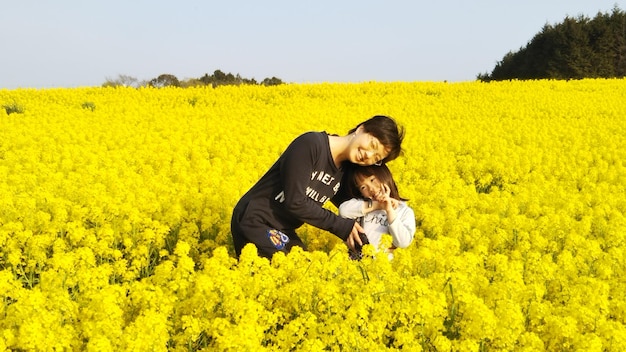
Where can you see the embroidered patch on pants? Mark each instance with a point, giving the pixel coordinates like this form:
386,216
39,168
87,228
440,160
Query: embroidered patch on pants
278,238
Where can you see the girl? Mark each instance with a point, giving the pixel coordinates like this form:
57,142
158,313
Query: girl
377,205
305,176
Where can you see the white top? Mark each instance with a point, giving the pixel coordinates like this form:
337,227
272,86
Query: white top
375,222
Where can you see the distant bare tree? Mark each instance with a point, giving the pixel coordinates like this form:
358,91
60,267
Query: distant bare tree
218,78
191,82
122,81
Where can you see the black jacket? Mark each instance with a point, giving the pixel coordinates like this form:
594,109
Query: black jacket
293,191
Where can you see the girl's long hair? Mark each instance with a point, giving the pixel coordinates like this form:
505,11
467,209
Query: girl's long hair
382,173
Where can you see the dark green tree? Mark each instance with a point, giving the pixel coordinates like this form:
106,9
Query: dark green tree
164,80
574,49
274,81
219,78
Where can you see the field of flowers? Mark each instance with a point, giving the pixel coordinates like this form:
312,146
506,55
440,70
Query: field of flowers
115,220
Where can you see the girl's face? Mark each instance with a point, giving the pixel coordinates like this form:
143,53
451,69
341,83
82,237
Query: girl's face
369,186
366,149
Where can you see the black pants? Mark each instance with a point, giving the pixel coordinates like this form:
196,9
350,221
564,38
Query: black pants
267,240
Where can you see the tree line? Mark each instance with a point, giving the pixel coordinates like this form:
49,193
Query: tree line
579,47
576,48
218,78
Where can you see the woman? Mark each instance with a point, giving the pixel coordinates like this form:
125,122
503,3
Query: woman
305,176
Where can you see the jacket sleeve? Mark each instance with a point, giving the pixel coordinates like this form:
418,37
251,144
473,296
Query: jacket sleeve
344,193
403,228
351,209
296,168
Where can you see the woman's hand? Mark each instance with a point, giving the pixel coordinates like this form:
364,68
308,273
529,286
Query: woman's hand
354,236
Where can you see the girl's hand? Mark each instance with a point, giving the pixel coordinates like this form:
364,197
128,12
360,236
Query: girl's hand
383,197
387,203
382,194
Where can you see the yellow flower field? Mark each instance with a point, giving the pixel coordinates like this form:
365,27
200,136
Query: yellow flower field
115,211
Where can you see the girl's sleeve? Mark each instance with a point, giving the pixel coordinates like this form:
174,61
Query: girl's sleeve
296,168
351,209
403,228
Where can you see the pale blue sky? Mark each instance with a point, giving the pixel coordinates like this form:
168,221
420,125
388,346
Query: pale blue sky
70,43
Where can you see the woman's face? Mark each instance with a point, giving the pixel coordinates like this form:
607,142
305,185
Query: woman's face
366,149
369,186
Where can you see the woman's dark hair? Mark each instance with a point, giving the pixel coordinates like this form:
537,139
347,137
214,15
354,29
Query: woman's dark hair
385,129
382,173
